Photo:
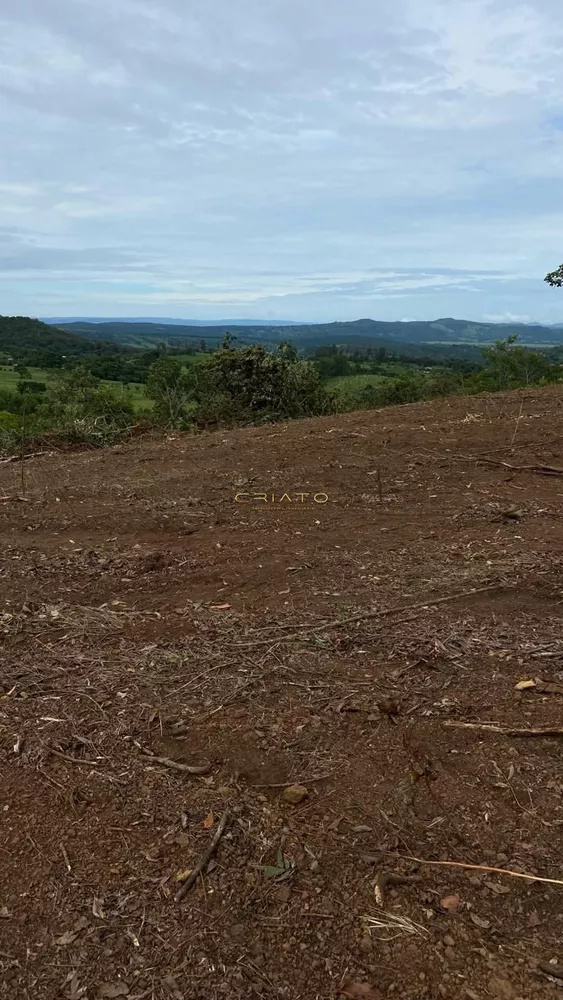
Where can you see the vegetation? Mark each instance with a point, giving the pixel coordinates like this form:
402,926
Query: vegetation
95,392
555,278
441,337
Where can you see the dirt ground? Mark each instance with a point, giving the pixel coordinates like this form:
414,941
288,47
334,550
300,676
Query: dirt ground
173,659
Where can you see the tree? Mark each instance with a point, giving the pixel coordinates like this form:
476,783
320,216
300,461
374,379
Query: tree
169,386
249,383
555,278
509,365
78,406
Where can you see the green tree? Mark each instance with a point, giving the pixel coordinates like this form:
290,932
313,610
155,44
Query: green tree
555,278
170,388
79,407
250,383
509,365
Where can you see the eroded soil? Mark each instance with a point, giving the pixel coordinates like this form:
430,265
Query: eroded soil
338,646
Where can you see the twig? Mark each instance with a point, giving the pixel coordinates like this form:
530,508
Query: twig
379,484
493,727
364,615
205,857
8,498
74,760
66,858
187,768
543,470
388,878
518,418
478,868
287,784
18,458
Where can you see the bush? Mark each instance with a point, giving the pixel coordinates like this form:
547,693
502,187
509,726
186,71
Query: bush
78,407
169,386
251,384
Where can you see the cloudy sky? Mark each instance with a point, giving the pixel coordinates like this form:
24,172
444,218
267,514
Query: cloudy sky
281,158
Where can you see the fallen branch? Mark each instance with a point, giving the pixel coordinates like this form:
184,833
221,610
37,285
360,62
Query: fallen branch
205,857
19,458
177,766
542,470
493,727
364,615
478,868
75,760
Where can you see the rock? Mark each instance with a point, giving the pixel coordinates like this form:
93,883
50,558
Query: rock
283,894
500,988
294,794
450,954
366,944
448,941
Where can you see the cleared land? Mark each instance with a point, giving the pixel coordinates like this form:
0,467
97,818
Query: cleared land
149,621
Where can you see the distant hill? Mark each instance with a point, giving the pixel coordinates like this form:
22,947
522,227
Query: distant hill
20,333
168,321
441,331
35,343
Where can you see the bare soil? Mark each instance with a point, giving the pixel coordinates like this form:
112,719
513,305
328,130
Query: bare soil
148,614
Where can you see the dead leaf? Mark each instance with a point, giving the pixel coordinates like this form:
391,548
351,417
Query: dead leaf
501,890
524,685
67,938
479,921
209,821
184,876
450,903
97,908
113,990
360,991
5,913
74,991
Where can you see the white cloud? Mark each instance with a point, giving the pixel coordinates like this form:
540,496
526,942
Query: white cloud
260,156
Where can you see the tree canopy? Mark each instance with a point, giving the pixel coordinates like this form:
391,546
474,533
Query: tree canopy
555,278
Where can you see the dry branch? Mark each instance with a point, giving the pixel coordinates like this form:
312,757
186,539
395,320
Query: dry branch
493,727
365,615
19,458
542,470
176,765
75,760
478,868
205,857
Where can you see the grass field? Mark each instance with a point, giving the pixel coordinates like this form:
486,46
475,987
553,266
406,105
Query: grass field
135,391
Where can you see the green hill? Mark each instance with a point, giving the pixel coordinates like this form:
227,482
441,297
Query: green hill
306,336
20,333
35,343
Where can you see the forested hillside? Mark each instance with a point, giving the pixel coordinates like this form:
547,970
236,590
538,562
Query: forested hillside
39,343
307,336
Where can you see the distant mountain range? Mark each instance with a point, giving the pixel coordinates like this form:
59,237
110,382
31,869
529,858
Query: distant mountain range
145,333
441,339
167,321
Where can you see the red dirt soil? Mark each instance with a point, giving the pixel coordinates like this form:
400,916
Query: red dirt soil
147,614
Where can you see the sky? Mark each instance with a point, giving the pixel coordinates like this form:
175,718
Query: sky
281,159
